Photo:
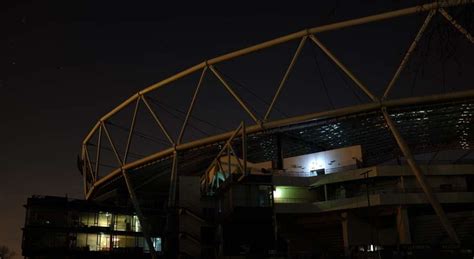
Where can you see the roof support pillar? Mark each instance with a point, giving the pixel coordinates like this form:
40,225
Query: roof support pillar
141,217
133,196
403,226
421,178
173,181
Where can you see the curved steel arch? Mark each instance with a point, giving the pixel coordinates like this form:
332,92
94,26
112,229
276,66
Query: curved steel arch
378,103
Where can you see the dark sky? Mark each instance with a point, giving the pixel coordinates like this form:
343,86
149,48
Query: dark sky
65,64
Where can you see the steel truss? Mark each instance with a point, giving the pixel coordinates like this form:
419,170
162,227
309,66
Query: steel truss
378,103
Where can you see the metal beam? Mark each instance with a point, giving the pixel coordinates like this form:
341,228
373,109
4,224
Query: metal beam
285,76
157,120
234,94
141,217
112,145
227,147
421,178
84,166
344,68
408,53
280,40
244,147
133,197
173,181
334,113
468,152
191,106
241,167
91,171
456,25
97,158
130,133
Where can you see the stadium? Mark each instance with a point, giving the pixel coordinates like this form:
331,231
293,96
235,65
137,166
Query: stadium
390,175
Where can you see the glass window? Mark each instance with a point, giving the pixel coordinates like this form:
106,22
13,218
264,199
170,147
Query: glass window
123,223
81,240
136,224
86,219
103,242
104,219
92,241
156,244
121,241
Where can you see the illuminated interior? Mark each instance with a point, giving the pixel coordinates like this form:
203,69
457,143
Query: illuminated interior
291,194
119,222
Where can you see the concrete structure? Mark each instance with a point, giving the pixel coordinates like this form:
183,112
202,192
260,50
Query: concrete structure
58,227
405,187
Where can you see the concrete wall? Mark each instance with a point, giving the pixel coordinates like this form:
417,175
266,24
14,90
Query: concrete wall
329,160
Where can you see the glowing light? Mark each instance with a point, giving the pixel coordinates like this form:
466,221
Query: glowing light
277,193
137,223
316,164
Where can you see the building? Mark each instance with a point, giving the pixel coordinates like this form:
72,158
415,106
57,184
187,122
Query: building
58,227
391,177
347,210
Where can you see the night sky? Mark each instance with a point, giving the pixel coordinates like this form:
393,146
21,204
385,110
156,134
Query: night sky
64,66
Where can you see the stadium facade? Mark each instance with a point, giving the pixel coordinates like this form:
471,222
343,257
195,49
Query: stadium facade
364,180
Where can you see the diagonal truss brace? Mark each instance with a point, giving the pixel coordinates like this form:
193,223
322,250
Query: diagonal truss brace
228,147
132,195
191,106
408,53
285,76
421,178
130,133
157,120
343,68
234,94
89,165
84,166
456,25
97,158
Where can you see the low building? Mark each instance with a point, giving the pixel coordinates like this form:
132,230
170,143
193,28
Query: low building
58,227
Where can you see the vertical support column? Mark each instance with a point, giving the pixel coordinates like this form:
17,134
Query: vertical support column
274,217
403,226
97,158
172,225
244,148
229,164
173,181
326,192
112,227
345,233
279,158
421,178
84,168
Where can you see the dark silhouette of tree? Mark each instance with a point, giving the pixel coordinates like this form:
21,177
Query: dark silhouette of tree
6,253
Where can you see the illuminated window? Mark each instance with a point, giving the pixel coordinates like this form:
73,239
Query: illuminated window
123,223
156,243
136,224
277,193
104,219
